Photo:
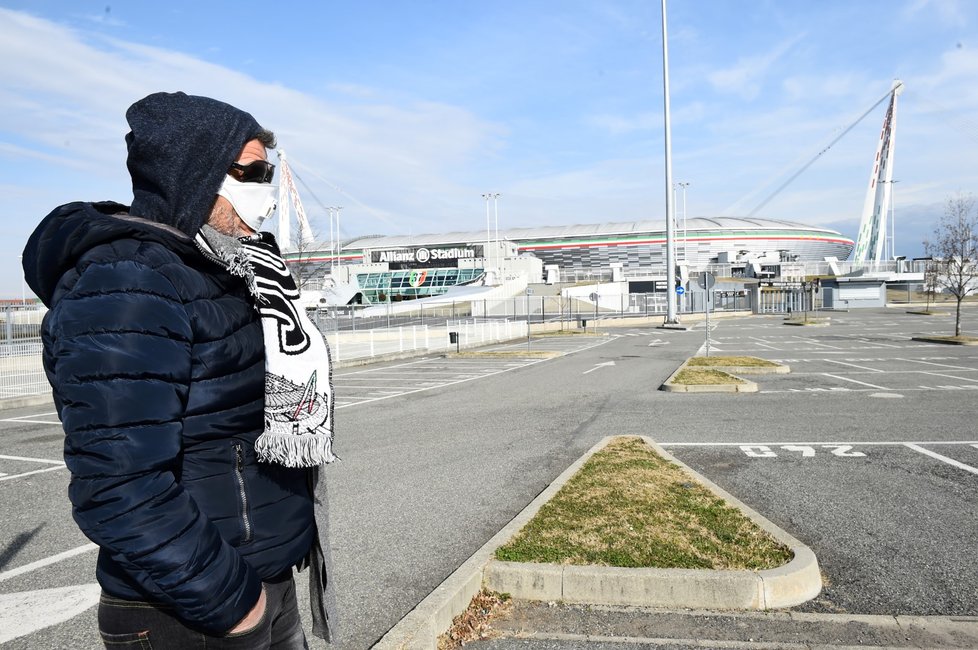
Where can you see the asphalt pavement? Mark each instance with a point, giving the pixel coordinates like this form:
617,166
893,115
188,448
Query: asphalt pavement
439,454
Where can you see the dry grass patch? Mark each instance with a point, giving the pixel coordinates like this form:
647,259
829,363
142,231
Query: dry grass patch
705,377
629,507
744,362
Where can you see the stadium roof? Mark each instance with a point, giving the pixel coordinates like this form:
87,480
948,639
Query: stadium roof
578,230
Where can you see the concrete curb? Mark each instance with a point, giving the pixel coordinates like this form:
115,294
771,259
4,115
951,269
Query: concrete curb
670,387
941,341
796,582
810,323
27,400
504,354
420,628
780,369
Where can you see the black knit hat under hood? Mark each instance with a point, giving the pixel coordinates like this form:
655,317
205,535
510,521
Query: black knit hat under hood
180,148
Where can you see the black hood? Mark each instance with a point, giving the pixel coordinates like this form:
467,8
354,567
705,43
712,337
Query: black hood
71,230
180,148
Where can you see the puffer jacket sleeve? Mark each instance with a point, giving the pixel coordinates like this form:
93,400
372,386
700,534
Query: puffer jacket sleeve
121,364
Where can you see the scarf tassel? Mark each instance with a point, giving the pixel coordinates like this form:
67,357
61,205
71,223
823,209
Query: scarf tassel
289,450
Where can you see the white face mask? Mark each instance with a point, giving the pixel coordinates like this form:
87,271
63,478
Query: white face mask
254,202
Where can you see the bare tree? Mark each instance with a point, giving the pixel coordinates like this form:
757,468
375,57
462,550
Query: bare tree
303,269
930,282
954,249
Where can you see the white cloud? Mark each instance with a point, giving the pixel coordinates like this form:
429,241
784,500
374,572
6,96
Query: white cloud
745,77
948,11
65,101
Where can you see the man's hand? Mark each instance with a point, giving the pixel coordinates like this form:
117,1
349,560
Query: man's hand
251,618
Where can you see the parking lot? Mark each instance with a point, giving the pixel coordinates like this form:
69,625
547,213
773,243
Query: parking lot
867,451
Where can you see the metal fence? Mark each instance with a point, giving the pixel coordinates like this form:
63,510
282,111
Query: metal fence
788,301
358,333
21,372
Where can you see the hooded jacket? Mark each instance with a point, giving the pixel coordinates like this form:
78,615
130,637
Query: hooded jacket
155,356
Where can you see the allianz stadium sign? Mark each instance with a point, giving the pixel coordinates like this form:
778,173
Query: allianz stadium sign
422,255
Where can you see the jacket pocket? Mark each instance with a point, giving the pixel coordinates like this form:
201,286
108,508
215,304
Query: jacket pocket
242,489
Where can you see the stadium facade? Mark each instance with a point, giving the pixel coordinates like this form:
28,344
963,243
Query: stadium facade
411,266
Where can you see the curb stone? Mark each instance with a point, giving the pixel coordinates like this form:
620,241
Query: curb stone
792,584
941,341
670,387
796,582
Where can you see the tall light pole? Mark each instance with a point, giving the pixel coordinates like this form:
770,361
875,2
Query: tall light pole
495,209
337,255
892,218
487,253
23,291
334,240
684,185
670,208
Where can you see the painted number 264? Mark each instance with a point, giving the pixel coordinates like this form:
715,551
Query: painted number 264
760,451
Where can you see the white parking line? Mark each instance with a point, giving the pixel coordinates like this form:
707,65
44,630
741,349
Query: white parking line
855,381
949,461
940,374
811,342
32,460
844,363
30,418
931,363
34,566
36,471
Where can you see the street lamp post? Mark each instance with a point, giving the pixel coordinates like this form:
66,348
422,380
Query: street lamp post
495,208
334,240
684,185
23,291
487,254
670,208
892,218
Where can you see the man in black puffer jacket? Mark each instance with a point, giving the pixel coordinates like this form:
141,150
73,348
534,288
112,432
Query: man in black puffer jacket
155,352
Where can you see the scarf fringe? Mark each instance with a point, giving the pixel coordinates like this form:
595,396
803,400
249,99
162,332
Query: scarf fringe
290,450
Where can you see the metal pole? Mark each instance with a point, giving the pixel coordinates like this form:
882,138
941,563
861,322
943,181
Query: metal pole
495,207
337,256
670,208
707,301
488,233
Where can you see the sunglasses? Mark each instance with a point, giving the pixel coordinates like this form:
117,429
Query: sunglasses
259,171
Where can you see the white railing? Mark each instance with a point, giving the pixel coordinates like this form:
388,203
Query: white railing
21,372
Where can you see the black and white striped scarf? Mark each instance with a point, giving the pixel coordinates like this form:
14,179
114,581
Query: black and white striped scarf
298,369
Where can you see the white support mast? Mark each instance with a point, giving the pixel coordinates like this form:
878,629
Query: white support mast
288,196
870,243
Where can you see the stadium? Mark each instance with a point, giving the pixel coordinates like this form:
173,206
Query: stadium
415,266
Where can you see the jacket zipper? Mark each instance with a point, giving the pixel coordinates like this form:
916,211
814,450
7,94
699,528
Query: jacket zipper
239,474
210,256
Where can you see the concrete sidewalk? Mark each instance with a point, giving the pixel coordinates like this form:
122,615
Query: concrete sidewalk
540,626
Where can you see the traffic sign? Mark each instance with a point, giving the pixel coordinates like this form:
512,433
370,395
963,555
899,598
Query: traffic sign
706,280
680,291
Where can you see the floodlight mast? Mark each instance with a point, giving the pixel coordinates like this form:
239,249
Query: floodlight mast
670,207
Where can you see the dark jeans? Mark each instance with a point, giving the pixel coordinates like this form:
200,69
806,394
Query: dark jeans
141,626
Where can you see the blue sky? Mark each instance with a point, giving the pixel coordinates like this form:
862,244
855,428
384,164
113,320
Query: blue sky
406,112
